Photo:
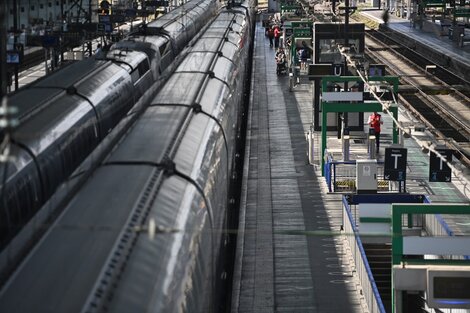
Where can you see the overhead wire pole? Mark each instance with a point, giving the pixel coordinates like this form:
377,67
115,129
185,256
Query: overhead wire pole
86,9
15,37
89,44
346,44
61,36
346,24
3,52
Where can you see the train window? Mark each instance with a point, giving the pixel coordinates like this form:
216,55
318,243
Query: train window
140,70
143,67
135,76
164,49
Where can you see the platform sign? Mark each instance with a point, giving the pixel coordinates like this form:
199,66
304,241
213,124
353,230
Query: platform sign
105,19
319,70
13,57
104,28
439,171
302,32
338,69
101,27
395,164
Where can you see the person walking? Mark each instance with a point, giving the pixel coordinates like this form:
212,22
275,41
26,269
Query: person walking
271,36
375,121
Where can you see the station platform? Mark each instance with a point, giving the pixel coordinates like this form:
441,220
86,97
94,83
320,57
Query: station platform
291,256
279,268
432,41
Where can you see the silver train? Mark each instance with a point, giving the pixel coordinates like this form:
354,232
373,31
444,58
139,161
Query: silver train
146,232
66,115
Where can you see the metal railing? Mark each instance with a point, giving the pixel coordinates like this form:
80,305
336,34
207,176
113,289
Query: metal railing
436,225
361,265
341,176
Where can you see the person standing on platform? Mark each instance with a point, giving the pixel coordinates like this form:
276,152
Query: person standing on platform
277,35
375,121
271,36
98,49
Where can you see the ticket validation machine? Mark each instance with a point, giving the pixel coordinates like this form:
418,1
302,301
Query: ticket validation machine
366,176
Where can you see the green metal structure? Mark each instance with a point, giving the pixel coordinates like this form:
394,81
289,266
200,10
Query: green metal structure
290,8
435,4
298,30
397,231
398,210
462,12
337,107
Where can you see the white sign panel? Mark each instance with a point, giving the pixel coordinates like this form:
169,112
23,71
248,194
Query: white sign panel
343,96
452,245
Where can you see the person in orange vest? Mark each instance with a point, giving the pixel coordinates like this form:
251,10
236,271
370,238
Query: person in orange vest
375,120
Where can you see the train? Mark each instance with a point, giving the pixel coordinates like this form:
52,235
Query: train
64,116
147,232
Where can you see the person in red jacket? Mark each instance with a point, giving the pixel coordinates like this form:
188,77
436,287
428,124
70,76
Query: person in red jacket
277,35
375,120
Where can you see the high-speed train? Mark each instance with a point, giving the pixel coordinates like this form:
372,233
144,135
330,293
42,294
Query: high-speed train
64,116
147,231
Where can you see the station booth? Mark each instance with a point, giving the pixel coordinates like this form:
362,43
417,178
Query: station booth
327,37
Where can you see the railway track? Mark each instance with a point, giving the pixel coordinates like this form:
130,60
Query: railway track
32,59
439,99
440,73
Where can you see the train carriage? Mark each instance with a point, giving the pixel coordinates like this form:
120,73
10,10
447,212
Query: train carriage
156,208
64,116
